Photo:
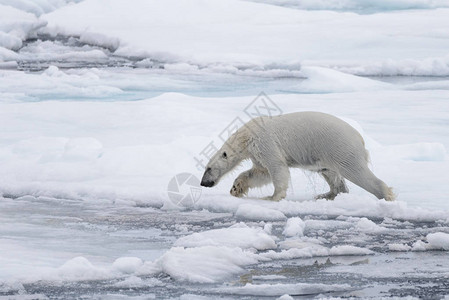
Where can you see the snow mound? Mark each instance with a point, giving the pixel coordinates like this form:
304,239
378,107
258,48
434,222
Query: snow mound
435,241
243,237
205,264
324,80
294,227
98,39
216,254
420,246
37,7
438,240
15,27
258,213
80,268
366,225
127,265
285,297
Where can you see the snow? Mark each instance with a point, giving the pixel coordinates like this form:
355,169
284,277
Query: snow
127,264
294,227
237,236
438,240
214,255
101,40
43,145
353,5
435,241
205,264
15,27
325,80
419,151
305,250
366,225
87,151
420,246
80,268
37,7
256,212
256,36
349,250
285,297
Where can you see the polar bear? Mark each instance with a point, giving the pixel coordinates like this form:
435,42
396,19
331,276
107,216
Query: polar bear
310,140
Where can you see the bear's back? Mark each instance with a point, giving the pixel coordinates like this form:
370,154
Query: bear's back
309,137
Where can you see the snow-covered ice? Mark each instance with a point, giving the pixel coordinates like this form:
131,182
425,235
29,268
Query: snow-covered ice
294,227
265,35
256,212
101,108
238,235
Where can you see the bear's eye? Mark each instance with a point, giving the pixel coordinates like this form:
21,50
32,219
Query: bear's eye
224,155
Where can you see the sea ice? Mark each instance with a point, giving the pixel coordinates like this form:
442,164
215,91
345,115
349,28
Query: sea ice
205,264
242,237
256,212
281,289
294,227
438,240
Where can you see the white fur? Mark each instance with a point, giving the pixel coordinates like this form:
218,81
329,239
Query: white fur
309,140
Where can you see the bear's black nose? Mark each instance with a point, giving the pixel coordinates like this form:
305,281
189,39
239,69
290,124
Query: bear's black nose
207,183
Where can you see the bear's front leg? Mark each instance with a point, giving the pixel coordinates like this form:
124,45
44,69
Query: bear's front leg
255,177
280,175
240,187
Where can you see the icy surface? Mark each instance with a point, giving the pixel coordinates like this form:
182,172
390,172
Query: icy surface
37,7
237,236
15,27
256,212
87,249
255,36
363,6
98,115
294,227
98,177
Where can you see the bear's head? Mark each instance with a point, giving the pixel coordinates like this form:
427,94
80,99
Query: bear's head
230,155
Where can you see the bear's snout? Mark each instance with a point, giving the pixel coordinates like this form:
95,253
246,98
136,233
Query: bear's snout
205,181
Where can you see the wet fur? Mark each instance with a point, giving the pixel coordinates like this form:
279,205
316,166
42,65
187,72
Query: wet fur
309,140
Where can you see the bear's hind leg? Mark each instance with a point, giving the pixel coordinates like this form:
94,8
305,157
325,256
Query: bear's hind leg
255,177
362,176
336,183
